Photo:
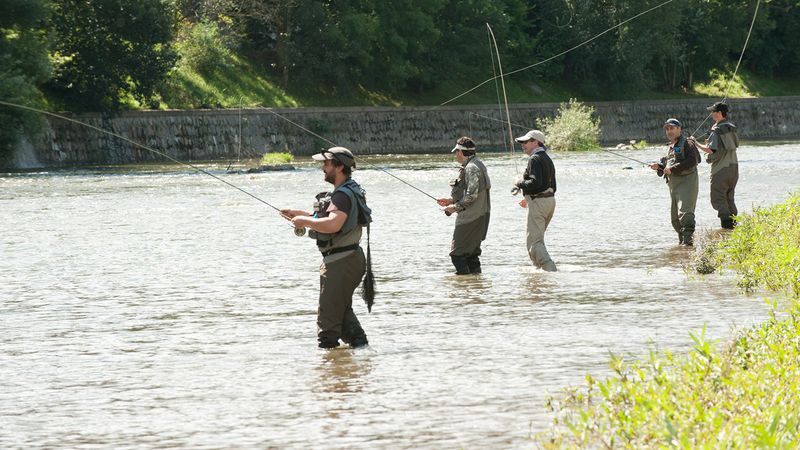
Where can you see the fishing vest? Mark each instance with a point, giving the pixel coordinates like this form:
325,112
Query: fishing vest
358,216
482,204
724,141
677,154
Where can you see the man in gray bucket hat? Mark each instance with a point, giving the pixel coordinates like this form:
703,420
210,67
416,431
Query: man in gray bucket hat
470,201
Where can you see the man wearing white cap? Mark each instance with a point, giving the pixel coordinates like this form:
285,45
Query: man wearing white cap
538,184
469,198
336,225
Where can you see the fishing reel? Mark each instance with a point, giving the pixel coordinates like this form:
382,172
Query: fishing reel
300,231
515,190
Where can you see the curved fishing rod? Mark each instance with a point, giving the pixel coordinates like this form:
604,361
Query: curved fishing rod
736,70
505,97
144,147
626,157
270,110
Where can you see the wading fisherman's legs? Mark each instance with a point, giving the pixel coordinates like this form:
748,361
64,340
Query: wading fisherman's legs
465,249
540,212
335,317
683,194
723,188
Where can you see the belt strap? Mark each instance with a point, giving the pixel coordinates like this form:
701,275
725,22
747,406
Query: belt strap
545,195
339,249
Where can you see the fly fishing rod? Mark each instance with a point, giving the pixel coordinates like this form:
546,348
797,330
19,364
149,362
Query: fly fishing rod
270,110
298,231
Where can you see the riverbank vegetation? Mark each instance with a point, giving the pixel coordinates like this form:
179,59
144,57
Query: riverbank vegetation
573,128
737,395
270,159
107,55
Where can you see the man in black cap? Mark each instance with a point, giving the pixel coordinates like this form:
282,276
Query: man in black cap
720,149
679,169
336,225
469,198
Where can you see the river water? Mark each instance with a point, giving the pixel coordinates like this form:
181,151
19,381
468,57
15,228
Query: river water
157,307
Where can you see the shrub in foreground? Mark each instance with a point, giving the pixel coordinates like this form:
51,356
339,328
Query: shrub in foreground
744,395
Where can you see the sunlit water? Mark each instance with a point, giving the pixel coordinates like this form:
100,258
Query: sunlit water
158,307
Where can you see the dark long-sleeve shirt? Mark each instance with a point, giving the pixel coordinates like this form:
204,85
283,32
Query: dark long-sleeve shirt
540,174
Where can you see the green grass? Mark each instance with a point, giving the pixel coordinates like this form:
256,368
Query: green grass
746,85
764,249
232,83
742,395
235,81
276,158
739,395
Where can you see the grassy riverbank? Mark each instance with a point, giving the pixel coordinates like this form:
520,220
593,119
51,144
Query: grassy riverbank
235,81
741,394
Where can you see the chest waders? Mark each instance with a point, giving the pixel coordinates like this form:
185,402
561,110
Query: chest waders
724,172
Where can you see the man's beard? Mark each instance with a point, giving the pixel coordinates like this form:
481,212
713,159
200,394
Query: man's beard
330,178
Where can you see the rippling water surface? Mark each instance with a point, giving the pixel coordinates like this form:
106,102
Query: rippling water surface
157,307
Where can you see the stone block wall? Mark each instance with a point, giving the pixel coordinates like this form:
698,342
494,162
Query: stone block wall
215,134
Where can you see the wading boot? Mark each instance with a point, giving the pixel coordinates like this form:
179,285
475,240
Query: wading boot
461,265
358,341
327,343
354,335
686,240
727,224
474,264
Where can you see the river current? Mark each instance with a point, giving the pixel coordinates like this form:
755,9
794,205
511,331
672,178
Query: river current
153,306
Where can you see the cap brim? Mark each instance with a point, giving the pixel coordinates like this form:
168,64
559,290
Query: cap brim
710,108
319,157
522,139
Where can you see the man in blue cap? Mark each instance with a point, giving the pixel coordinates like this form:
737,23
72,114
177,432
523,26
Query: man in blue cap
720,152
679,169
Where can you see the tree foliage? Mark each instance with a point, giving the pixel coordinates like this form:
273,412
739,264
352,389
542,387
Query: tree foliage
23,65
107,49
107,52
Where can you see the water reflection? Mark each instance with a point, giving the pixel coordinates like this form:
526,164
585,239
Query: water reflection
343,370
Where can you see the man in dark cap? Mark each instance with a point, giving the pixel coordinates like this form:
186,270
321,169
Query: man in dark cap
720,149
679,169
469,198
336,225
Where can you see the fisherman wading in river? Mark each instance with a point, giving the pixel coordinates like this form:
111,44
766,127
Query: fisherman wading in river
720,152
538,184
336,224
679,169
469,199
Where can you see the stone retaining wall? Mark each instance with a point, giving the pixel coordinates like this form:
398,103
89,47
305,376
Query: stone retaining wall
214,134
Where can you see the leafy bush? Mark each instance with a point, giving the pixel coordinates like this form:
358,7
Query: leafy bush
276,158
741,396
573,128
765,247
202,47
